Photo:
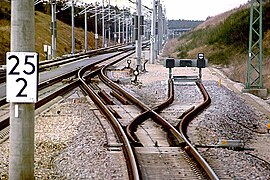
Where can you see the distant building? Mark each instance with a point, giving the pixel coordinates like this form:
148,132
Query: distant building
177,27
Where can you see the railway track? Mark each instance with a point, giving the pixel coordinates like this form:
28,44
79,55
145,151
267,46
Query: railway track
153,147
186,147
67,75
2,76
200,168
55,63
185,150
58,86
131,163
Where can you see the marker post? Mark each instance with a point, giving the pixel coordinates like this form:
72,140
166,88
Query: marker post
21,78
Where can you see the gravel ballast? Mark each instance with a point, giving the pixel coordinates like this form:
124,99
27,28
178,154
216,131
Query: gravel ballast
228,117
71,142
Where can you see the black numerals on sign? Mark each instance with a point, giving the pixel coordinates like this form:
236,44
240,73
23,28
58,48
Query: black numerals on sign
30,64
24,86
14,72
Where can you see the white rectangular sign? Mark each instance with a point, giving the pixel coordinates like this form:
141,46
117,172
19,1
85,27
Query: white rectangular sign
45,48
22,77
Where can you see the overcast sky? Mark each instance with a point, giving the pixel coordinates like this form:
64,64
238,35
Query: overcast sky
186,9
198,9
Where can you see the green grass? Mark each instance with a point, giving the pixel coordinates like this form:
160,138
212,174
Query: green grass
234,31
228,38
227,44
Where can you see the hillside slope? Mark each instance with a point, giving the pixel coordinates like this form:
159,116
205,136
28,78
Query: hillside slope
43,36
224,40
63,45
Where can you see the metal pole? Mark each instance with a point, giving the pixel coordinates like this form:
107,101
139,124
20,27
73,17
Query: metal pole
103,25
255,56
153,34
163,27
72,22
105,35
166,27
130,29
159,26
126,30
170,73
85,31
139,41
145,28
156,31
109,23
53,29
119,29
200,74
133,28
21,153
96,28
123,28
115,26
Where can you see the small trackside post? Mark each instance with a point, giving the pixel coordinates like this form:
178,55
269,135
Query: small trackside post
170,63
200,64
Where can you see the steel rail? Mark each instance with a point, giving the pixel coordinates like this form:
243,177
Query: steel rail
45,84
148,113
157,118
182,127
5,122
192,113
2,76
43,65
140,104
152,113
48,83
117,88
133,173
